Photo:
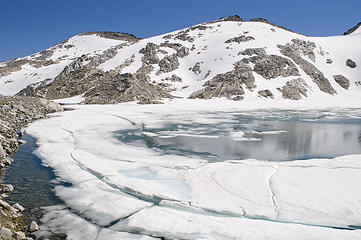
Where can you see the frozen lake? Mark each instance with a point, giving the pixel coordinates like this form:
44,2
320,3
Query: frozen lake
160,171
252,138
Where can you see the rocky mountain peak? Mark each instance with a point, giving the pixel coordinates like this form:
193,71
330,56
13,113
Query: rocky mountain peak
353,29
233,18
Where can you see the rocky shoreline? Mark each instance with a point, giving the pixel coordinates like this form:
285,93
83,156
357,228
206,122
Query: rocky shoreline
15,113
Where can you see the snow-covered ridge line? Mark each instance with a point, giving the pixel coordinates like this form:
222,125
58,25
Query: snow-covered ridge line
224,58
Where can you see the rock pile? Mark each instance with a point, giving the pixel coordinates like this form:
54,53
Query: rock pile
11,218
16,112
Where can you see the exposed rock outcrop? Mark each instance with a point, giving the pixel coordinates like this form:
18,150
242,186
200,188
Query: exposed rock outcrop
197,68
123,88
294,89
114,35
240,39
350,63
270,66
228,84
150,54
293,50
342,81
168,63
16,112
266,93
233,18
15,65
173,78
76,78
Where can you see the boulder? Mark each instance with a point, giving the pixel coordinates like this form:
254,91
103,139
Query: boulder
342,81
7,188
18,207
240,39
33,226
266,93
20,236
2,152
350,63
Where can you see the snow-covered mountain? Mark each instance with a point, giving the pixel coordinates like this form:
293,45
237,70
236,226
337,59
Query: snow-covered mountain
224,58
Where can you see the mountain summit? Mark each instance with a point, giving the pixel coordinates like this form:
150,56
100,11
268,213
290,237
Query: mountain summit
225,58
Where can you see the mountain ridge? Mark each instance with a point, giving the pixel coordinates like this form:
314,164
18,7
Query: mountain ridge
246,57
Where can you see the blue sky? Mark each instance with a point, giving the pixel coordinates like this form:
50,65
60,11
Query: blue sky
28,26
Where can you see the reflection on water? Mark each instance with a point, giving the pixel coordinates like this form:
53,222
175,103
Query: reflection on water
249,137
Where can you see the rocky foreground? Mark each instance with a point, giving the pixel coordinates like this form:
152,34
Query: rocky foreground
15,113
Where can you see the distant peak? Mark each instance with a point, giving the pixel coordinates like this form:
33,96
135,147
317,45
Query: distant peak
351,30
113,35
234,18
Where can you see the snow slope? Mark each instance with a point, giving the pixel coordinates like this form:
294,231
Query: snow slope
62,55
208,48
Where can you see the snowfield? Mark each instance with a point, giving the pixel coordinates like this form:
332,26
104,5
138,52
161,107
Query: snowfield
120,190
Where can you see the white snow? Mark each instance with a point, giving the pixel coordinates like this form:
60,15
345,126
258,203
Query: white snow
177,196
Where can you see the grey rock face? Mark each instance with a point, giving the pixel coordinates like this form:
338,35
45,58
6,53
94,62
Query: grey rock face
234,18
342,81
173,78
75,79
240,39
169,63
350,63
304,47
150,54
123,88
182,52
266,93
197,68
293,52
294,89
114,35
183,35
329,61
270,66
228,84
253,51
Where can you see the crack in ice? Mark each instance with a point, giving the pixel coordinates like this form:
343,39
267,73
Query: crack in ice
272,192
